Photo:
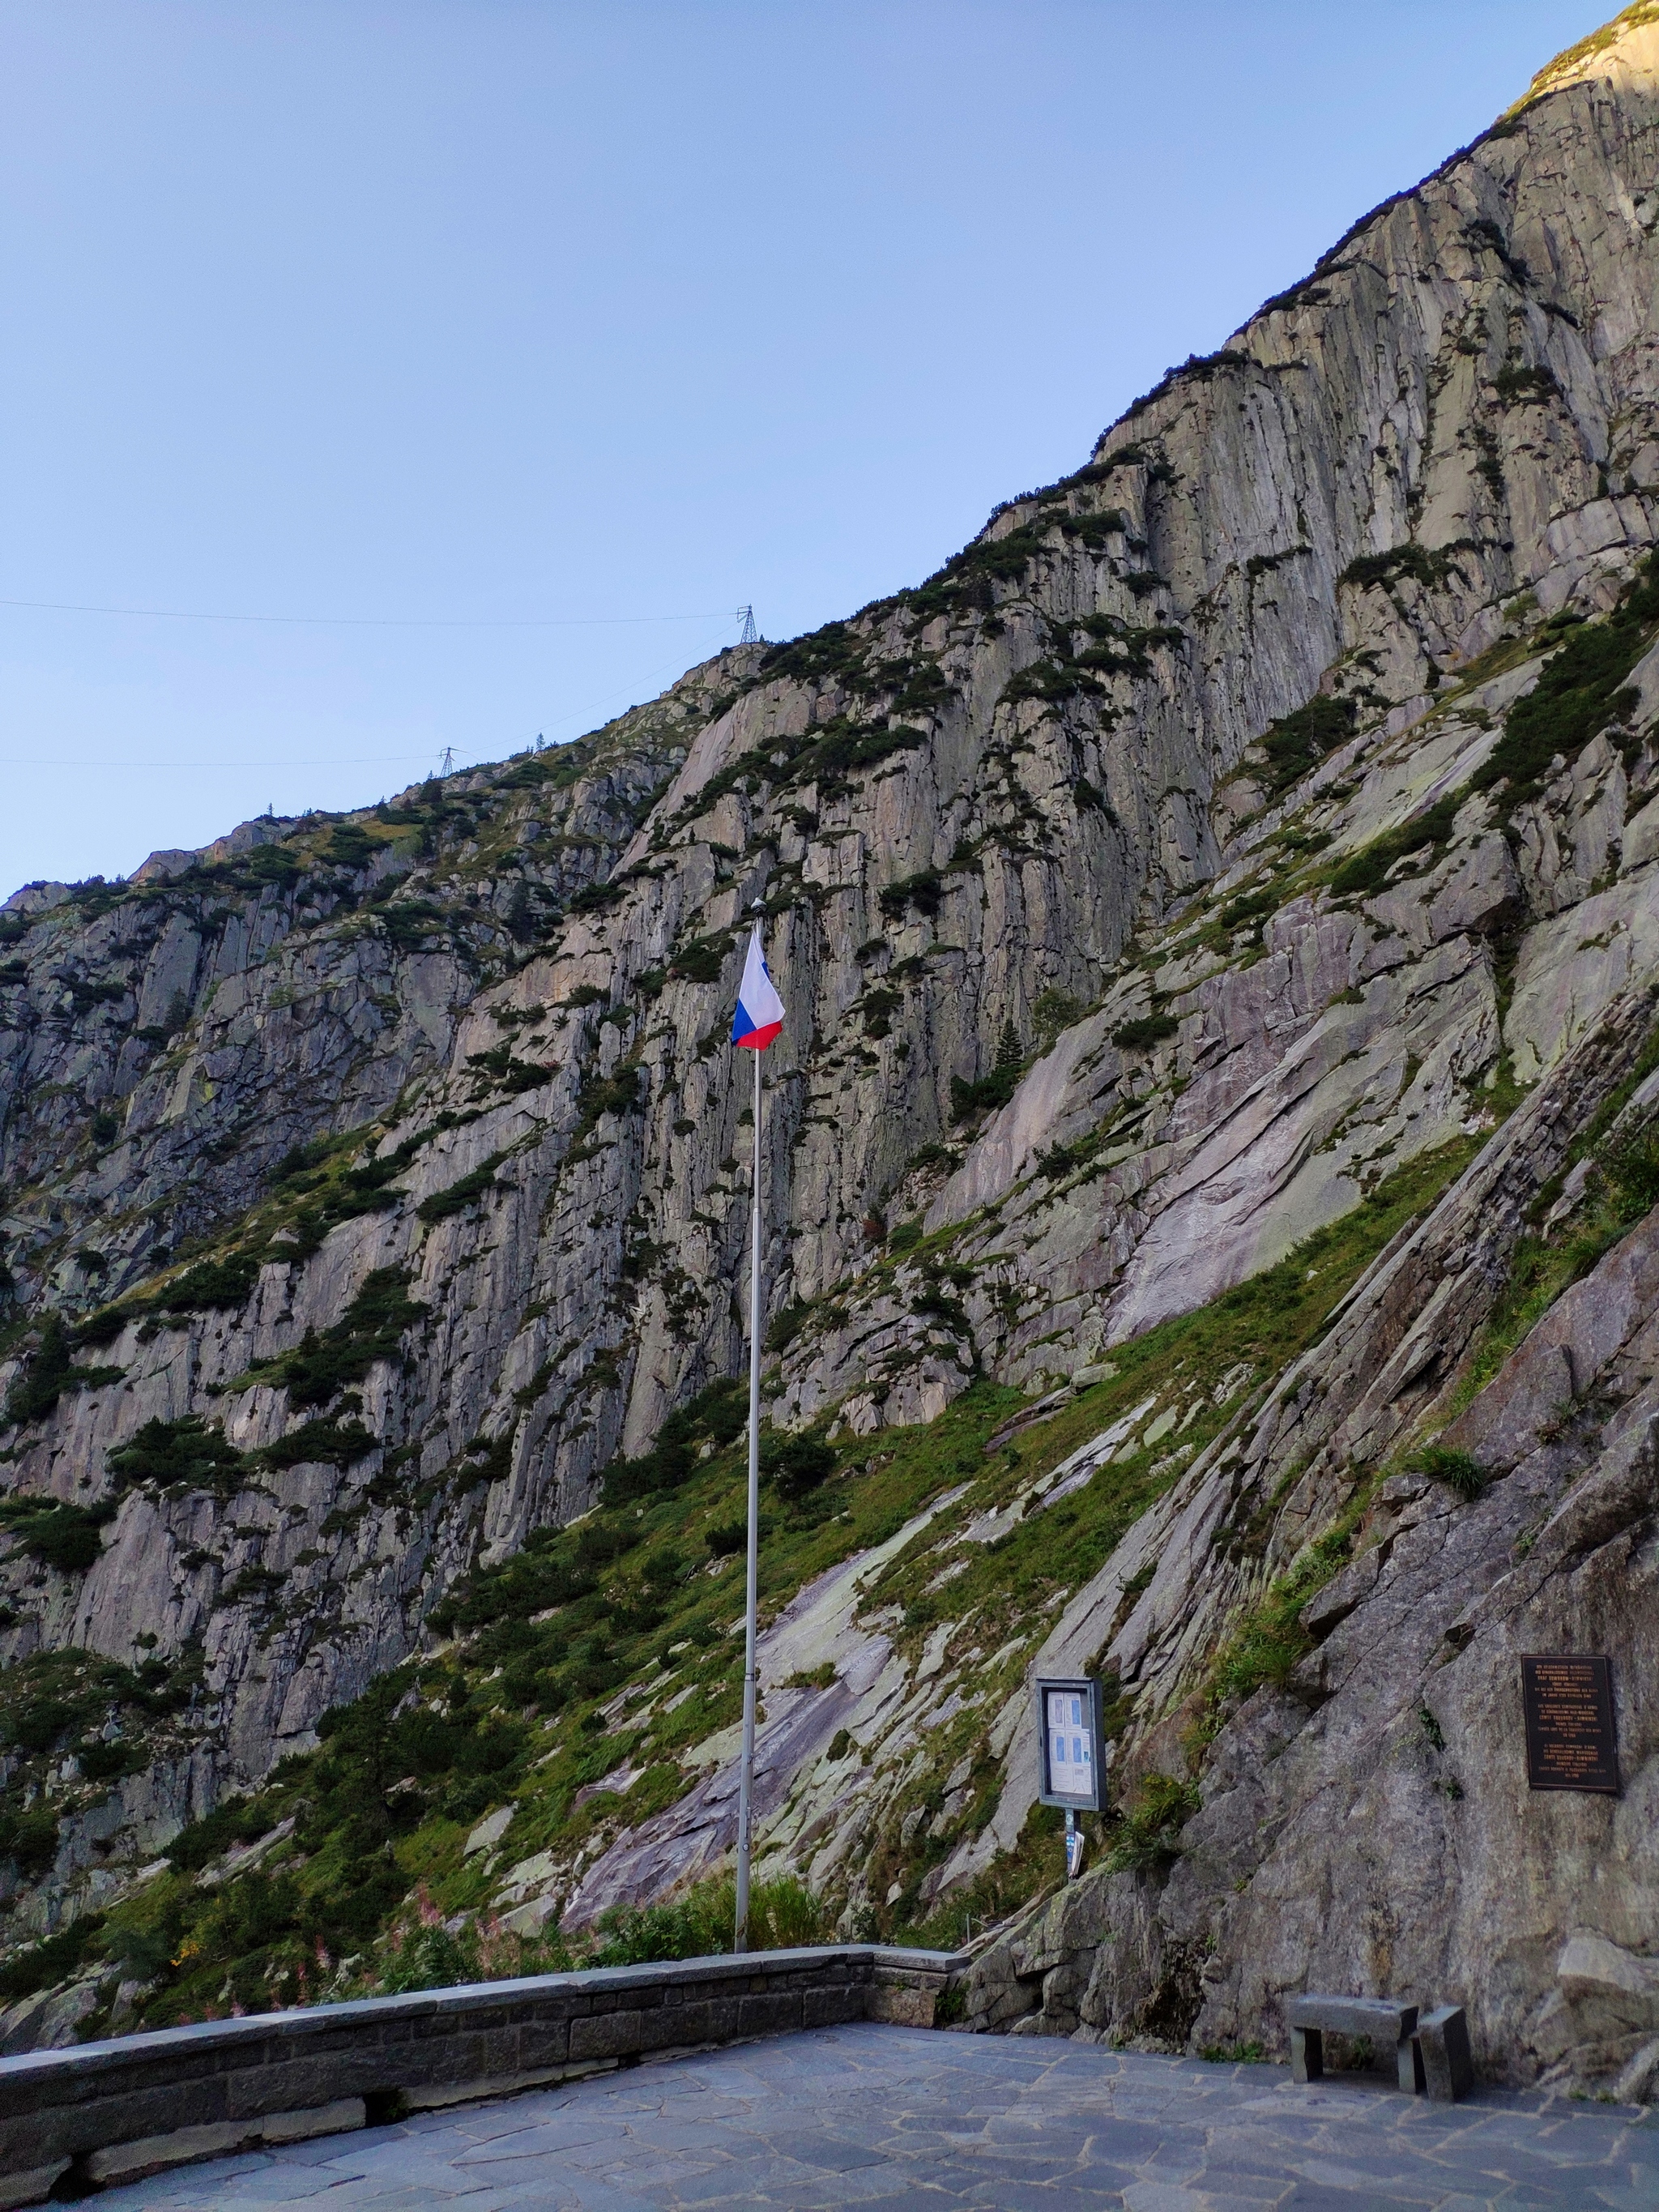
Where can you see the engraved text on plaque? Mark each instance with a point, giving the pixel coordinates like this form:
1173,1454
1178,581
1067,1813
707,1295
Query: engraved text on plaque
1568,1701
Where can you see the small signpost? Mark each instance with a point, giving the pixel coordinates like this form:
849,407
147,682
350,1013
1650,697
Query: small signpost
1567,1699
1074,1756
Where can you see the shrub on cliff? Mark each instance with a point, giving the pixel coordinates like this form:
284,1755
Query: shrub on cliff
49,1372
63,1536
794,1465
1583,688
180,1457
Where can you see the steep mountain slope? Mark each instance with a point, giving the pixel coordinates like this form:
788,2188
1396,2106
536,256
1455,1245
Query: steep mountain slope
1216,912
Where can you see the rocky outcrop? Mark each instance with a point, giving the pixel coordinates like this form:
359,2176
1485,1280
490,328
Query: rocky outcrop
1369,1820
1234,828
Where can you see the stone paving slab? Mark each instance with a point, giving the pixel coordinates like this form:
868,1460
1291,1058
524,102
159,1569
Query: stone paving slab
888,2118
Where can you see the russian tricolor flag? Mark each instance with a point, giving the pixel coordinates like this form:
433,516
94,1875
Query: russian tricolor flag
759,1017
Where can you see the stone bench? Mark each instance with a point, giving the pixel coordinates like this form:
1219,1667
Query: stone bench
1311,2018
1431,2055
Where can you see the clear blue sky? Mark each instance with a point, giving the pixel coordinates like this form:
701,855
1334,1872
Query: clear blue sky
491,312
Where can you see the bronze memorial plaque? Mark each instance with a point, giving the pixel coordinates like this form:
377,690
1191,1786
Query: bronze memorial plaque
1567,1699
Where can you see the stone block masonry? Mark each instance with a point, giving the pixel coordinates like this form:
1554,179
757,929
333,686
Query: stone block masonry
110,2112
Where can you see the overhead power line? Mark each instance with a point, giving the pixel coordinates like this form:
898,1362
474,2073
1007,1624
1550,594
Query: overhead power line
379,622
329,760
360,760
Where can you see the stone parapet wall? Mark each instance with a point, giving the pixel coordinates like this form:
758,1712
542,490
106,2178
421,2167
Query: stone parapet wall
111,2110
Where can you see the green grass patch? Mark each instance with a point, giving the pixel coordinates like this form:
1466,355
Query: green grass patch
1367,870
1257,1327
1270,1642
1456,1469
1622,1187
1146,1835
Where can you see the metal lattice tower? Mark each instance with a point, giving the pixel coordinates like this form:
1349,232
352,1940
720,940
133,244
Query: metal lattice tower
750,634
447,765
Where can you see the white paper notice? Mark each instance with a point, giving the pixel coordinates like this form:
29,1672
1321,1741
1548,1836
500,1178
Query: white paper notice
1071,1750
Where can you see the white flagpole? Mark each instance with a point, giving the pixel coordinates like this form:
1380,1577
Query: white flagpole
746,1770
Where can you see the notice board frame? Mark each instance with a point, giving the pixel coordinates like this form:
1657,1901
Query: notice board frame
1087,1687
1592,1680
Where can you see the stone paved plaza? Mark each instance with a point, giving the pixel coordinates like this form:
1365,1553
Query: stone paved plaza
887,2116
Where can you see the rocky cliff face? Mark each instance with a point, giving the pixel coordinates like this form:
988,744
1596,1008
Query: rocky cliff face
1218,917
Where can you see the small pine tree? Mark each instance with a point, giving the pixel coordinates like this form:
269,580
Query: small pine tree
520,926
1009,1054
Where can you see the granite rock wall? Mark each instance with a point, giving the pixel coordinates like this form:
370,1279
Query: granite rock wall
1167,798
